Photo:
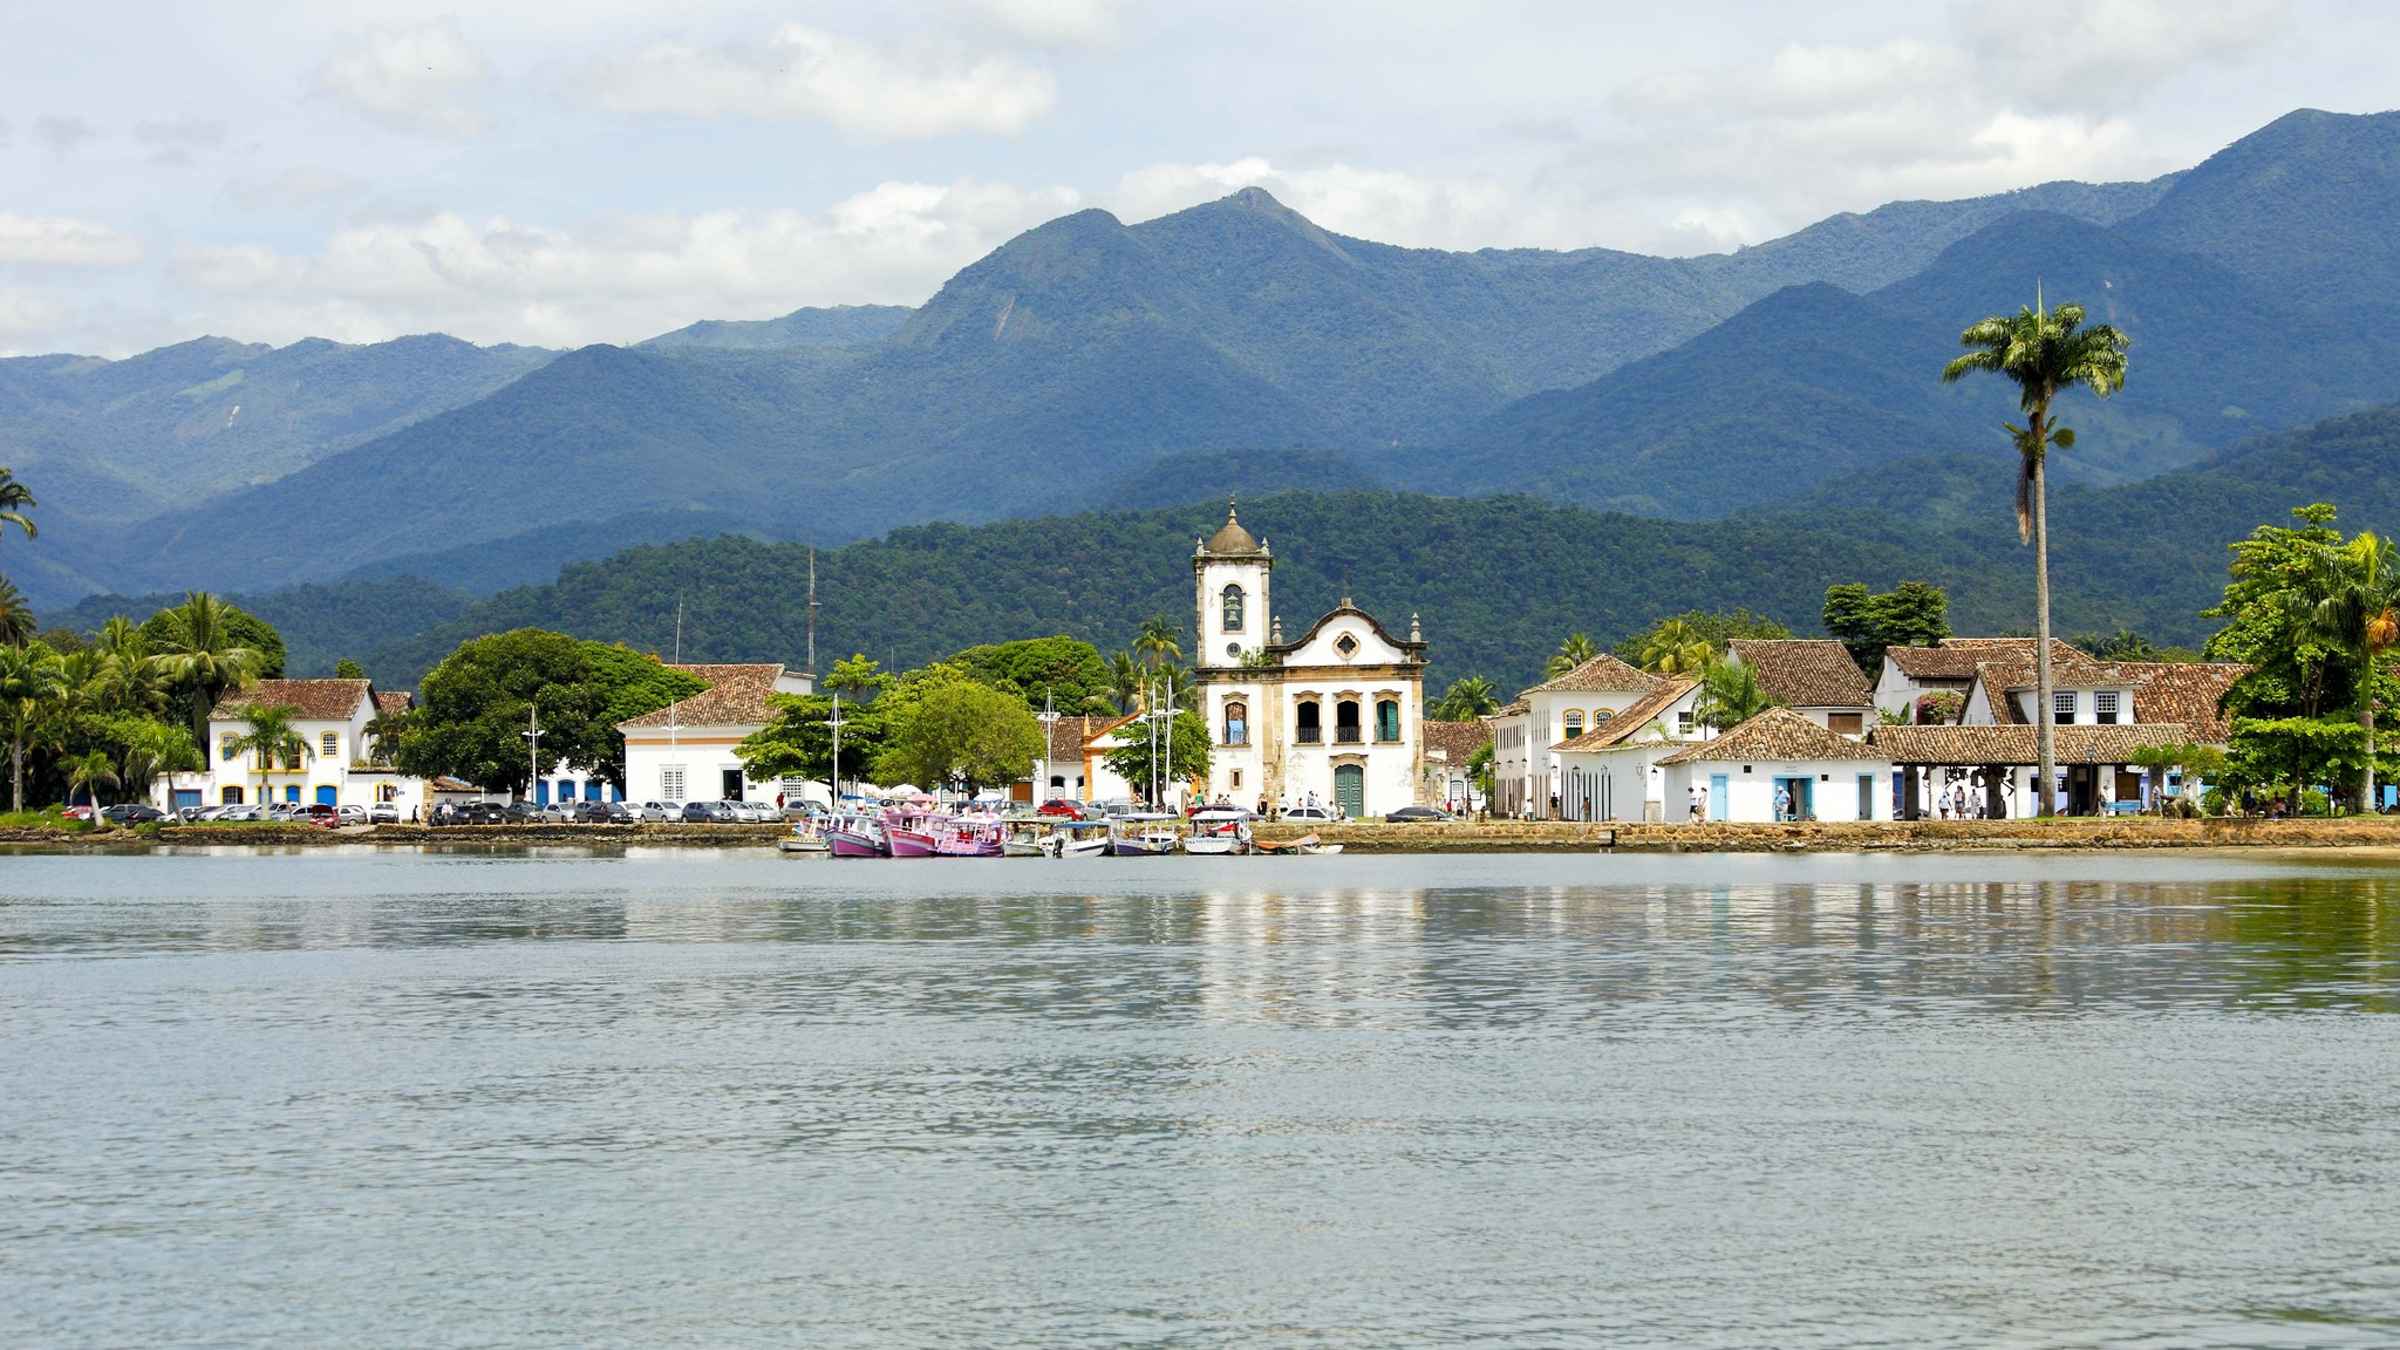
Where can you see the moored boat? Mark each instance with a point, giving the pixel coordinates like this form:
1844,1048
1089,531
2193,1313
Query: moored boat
856,836
1218,831
1140,836
967,837
806,839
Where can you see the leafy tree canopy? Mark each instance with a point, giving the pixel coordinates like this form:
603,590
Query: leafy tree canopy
948,727
472,710
1911,614
1068,672
1714,627
1189,740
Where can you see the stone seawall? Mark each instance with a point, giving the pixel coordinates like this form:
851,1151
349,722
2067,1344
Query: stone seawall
1510,836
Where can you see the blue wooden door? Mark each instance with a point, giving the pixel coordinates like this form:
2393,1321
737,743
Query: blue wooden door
1716,796
325,794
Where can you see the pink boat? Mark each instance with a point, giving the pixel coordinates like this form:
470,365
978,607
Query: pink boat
856,837
968,837
910,834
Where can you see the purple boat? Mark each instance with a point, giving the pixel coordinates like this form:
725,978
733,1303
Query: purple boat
856,837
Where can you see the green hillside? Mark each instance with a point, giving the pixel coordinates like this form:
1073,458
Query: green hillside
832,326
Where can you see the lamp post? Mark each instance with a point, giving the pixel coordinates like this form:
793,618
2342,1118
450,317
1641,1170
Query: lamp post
533,749
836,724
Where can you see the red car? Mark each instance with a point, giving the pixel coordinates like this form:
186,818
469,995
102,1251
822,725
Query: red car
1062,808
321,815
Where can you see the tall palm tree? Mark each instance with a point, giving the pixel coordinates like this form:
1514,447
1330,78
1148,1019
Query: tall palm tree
1676,648
1574,651
14,498
1466,699
88,771
161,748
1730,695
2357,590
383,734
16,617
271,738
30,684
1158,642
201,650
1125,676
2045,352
129,679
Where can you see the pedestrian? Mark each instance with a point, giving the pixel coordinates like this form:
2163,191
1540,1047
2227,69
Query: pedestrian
1783,803
1697,806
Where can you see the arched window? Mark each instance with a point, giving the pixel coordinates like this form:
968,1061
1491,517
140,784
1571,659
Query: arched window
1345,721
1308,722
1387,719
1233,609
1237,722
1600,715
1571,724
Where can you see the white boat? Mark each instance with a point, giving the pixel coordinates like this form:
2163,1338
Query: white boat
1082,838
1140,836
805,839
1219,832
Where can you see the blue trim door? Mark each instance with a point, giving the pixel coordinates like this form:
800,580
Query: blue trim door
325,794
1718,790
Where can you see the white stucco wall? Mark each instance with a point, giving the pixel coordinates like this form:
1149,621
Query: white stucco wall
1750,796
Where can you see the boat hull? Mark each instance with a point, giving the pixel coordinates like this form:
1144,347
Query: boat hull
910,844
843,844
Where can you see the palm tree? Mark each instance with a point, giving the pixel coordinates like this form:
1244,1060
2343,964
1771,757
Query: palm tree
1467,699
14,498
1159,641
1676,648
383,735
271,738
161,748
2046,352
202,650
1730,695
2357,589
30,683
16,617
1574,651
89,771
129,678
1125,676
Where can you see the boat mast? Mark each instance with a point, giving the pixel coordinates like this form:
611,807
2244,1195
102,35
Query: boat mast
812,614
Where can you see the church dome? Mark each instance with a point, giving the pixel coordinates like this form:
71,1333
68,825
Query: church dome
1231,540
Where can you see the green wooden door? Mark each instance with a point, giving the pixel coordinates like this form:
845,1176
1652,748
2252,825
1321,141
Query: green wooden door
1350,789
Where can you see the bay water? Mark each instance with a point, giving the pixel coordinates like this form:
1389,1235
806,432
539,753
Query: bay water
707,1098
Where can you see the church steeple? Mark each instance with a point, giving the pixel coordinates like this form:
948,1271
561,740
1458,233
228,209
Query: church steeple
1231,573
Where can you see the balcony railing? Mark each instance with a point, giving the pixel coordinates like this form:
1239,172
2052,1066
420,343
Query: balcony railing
1311,735
1346,735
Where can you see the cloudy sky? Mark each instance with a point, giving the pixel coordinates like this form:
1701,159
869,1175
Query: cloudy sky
605,170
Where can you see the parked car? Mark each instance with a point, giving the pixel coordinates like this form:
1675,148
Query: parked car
384,813
610,813
240,813
1062,808
803,809
521,813
481,813
131,813
352,815
1118,807
1408,814
708,813
324,815
586,813
755,813
1313,811
662,811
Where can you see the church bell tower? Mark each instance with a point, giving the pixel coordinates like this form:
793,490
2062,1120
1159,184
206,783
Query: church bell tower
1231,572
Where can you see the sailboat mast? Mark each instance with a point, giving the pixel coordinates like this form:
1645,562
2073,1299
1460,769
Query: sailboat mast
812,612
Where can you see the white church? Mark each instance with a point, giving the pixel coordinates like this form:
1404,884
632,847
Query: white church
1333,715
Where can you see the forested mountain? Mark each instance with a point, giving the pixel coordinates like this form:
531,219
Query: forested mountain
837,326
1497,580
1234,346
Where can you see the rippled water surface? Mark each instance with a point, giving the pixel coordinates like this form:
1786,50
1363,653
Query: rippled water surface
726,1098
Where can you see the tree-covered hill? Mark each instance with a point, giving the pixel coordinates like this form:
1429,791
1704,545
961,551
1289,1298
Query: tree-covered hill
830,326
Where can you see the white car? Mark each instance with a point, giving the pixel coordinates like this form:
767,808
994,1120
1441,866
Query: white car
754,813
384,813
1326,811
659,811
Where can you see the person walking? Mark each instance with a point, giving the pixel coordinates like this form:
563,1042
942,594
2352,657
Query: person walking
1783,803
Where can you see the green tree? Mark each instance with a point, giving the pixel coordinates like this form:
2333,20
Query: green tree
474,708
16,617
148,749
1576,649
950,728
1674,647
2356,589
30,683
1187,738
347,669
1159,642
201,649
1479,769
2044,352
855,678
1911,614
2270,621
88,772
1067,673
15,500
1125,680
1731,695
626,683
1465,700
1716,627
272,738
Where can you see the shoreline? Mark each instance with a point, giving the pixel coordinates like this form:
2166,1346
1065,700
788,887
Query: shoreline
2360,838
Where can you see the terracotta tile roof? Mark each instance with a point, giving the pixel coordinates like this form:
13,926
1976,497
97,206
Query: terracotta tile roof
316,700
1806,672
1602,674
1068,734
1776,734
1636,715
1455,741
1516,709
1957,658
2016,745
393,702
737,696
2188,692
1097,727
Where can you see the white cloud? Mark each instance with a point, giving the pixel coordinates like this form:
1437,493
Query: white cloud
617,280
1080,23
424,78
804,73
58,241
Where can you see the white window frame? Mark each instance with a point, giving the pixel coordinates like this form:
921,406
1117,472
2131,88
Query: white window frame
2062,700
670,782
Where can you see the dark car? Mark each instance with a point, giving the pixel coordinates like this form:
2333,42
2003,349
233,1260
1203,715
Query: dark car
521,813
1409,814
480,813
593,813
131,813
609,813
710,813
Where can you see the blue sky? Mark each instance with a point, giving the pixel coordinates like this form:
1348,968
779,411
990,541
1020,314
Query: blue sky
599,172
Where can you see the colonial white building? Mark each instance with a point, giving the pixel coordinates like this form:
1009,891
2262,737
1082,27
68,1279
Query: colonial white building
337,763
1815,677
1782,765
1526,733
1612,772
685,751
1332,714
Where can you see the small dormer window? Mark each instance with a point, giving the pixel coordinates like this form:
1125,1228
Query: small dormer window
2104,707
1346,645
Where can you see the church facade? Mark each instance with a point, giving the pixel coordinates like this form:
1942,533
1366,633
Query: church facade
1334,715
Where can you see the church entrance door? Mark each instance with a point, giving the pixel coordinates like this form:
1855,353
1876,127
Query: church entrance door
1350,789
